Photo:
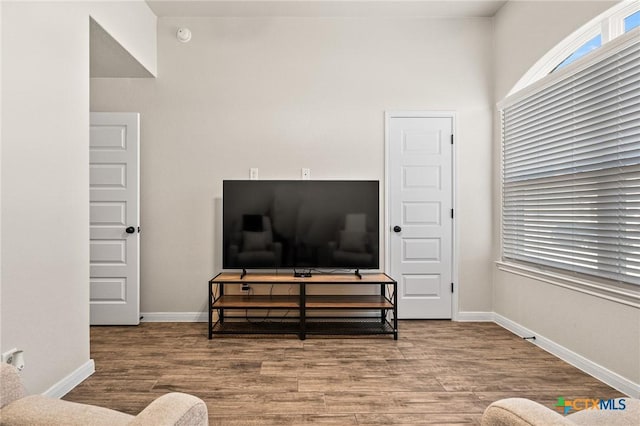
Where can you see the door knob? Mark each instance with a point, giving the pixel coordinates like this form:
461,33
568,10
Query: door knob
130,230
397,229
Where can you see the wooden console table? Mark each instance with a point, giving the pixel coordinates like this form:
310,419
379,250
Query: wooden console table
307,308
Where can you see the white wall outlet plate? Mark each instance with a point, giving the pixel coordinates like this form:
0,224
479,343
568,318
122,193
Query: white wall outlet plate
306,174
253,173
8,355
14,357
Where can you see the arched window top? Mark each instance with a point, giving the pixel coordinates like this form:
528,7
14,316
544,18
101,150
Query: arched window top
583,50
620,19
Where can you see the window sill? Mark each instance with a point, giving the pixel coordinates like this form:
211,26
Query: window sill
626,294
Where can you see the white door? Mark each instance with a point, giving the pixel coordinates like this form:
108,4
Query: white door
114,218
420,166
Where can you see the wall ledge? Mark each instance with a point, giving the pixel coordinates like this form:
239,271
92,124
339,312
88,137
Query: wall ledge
626,294
69,382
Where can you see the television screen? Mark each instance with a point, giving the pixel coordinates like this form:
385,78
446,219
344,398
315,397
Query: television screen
300,224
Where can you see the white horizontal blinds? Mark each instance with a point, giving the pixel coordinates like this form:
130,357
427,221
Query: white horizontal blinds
571,171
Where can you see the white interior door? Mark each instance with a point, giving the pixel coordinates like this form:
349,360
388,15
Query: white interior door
420,165
114,218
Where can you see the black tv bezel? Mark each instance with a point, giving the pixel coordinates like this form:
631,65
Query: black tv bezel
303,271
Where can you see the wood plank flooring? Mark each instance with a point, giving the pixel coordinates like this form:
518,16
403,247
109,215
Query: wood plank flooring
437,372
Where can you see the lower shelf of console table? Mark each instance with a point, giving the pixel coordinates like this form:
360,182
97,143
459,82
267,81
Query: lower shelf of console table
305,313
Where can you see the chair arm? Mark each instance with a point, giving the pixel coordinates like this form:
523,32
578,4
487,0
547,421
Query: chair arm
173,409
521,412
11,387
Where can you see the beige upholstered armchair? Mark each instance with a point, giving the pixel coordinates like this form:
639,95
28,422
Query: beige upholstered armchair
524,412
18,409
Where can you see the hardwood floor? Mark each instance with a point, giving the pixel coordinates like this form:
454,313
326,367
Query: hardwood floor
437,372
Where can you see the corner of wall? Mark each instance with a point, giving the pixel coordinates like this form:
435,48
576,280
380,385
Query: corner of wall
590,367
134,26
52,328
64,386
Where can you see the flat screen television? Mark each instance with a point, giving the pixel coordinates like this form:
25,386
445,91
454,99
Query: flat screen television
302,224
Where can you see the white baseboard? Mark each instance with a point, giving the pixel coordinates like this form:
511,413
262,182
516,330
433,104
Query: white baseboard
474,317
65,385
601,373
174,317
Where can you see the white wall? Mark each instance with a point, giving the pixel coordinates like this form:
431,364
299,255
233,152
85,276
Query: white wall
605,332
284,93
45,181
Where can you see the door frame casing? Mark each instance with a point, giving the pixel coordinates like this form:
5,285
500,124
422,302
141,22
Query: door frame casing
388,115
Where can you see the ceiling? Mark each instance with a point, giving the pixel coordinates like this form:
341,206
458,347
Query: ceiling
326,8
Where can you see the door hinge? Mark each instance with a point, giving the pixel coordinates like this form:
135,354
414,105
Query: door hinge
452,139
451,213
451,287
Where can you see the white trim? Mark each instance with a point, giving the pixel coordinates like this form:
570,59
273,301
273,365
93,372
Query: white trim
174,316
580,64
474,317
501,183
601,373
388,115
387,225
624,294
617,19
454,229
607,32
65,385
608,23
557,55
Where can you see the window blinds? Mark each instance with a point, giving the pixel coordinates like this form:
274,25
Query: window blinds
571,170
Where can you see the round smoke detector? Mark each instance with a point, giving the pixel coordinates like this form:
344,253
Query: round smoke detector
183,35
